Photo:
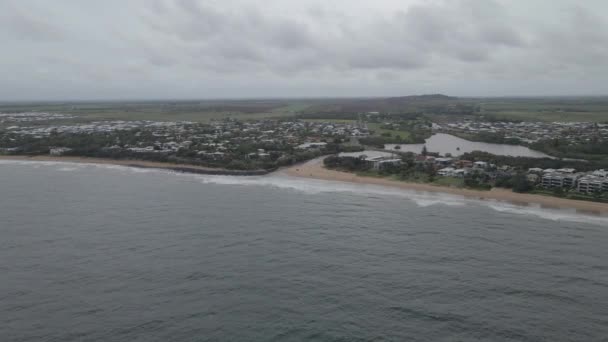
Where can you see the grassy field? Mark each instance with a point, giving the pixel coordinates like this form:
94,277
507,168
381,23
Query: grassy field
593,109
378,130
550,116
164,111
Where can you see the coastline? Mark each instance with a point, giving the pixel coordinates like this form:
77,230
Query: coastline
314,169
139,164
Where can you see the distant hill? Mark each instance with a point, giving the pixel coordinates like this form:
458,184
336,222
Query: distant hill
430,97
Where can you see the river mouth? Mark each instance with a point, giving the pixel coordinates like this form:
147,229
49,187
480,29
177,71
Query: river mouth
443,144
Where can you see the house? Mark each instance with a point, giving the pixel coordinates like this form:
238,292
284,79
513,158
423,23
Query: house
480,165
463,164
311,145
382,162
443,161
460,173
59,151
446,172
452,172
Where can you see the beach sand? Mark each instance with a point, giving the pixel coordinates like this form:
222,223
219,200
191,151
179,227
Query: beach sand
314,169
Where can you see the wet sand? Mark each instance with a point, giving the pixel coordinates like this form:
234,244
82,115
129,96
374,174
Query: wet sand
314,169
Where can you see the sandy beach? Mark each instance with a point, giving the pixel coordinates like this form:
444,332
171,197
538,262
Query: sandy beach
138,163
314,169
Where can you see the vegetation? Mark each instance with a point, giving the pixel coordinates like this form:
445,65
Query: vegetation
591,109
488,137
596,151
525,163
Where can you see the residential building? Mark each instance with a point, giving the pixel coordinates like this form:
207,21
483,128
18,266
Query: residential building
591,184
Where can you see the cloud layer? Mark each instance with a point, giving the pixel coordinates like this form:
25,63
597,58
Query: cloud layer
69,49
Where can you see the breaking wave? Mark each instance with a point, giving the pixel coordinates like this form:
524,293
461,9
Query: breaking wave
315,186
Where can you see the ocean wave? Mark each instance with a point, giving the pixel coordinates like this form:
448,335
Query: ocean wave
421,199
68,168
546,213
315,186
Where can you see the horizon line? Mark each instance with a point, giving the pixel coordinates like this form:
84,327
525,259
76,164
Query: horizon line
187,99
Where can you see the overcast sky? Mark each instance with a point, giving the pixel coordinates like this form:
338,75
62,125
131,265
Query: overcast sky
119,49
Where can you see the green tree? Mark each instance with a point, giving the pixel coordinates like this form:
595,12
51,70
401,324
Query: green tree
521,184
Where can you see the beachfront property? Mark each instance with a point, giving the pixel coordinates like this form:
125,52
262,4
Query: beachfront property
585,182
596,181
453,172
559,180
383,162
564,178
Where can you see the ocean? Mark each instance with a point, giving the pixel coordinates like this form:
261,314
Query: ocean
110,253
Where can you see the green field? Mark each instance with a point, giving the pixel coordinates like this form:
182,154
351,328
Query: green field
591,109
163,111
594,109
378,130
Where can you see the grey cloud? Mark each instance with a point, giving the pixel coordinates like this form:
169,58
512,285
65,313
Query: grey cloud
28,25
313,44
403,41
502,36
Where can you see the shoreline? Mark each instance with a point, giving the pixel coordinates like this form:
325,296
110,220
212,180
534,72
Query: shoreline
314,169
143,164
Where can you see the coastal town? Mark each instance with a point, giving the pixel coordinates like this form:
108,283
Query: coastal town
267,144
261,144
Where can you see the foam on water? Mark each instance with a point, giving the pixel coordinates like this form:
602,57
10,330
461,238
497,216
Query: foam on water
315,186
546,213
421,199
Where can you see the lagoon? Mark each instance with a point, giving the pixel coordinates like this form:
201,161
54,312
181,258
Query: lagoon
446,143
